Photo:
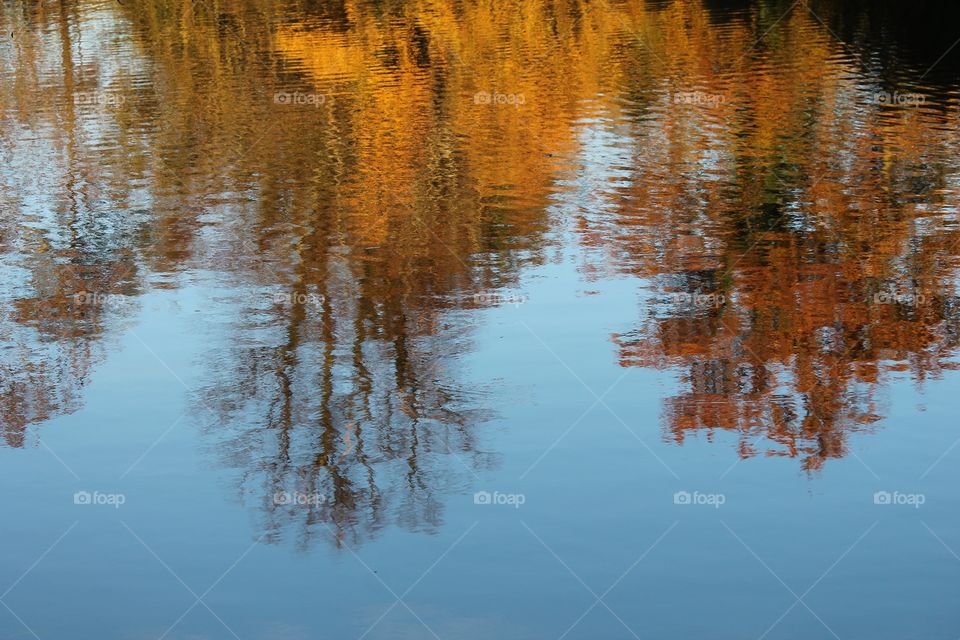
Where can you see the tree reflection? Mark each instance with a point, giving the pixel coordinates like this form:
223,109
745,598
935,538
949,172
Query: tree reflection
805,264
336,385
784,222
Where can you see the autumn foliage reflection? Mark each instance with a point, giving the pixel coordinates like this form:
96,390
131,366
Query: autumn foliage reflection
776,214
800,255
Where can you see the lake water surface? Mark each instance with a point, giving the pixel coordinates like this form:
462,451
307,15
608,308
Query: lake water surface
479,320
